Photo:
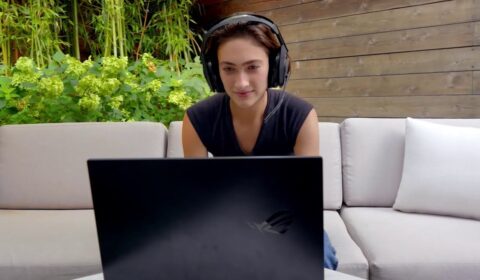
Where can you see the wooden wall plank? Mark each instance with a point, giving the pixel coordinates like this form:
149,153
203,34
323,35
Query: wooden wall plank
331,120
452,83
476,34
335,8
210,2
476,82
439,37
377,58
458,59
463,106
229,7
398,19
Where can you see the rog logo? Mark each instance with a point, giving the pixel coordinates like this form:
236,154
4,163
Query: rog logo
278,223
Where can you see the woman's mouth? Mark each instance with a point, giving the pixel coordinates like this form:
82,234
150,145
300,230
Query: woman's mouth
243,94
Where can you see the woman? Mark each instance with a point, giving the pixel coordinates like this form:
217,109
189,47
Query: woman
244,56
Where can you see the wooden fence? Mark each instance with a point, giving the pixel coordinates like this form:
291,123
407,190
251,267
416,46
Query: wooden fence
377,58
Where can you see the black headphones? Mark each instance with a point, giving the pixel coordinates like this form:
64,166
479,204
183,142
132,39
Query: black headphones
278,60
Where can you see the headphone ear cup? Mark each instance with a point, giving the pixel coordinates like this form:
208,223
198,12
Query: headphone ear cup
215,75
273,70
278,68
210,71
282,66
206,73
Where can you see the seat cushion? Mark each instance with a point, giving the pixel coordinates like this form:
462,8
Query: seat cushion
43,166
48,244
329,275
415,246
350,258
336,275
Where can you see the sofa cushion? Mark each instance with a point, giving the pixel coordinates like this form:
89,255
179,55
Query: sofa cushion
336,275
350,258
372,158
329,149
415,246
48,244
43,166
440,173
174,143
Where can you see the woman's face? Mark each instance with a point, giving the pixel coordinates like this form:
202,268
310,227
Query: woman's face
243,69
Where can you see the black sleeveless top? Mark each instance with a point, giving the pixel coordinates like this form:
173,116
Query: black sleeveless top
283,118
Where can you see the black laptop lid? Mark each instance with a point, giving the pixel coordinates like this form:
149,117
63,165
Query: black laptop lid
215,218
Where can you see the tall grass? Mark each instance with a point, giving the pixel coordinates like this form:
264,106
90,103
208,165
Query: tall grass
37,28
113,20
8,15
162,27
44,23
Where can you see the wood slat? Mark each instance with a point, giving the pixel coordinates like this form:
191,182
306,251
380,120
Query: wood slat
229,7
476,82
205,15
210,2
476,34
336,8
448,60
270,4
329,119
398,19
464,106
449,36
453,83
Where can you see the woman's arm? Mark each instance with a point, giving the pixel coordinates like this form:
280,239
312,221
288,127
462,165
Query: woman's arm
192,145
307,143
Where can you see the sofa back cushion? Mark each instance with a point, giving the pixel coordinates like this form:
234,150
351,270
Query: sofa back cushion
174,143
43,166
440,171
329,150
372,158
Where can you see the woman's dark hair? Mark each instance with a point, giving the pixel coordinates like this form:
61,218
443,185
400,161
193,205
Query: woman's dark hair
259,32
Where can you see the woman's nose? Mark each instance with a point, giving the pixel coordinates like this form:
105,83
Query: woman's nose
242,80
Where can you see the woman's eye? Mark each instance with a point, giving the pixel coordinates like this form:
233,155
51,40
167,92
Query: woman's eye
253,67
228,69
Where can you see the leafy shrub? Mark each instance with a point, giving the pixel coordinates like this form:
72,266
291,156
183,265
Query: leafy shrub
107,89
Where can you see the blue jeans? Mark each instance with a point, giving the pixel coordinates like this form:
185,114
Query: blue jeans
329,255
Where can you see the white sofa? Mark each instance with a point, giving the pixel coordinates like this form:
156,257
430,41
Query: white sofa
47,225
399,245
363,164
48,229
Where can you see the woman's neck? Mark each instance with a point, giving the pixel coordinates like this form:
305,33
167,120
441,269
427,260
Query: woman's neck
251,114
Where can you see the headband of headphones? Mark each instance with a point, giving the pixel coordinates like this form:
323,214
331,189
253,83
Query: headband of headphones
278,60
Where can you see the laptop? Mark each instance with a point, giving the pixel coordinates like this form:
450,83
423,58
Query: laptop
211,218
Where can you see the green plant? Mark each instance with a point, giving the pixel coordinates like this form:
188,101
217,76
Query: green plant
73,34
113,27
39,28
7,15
106,89
161,27
44,21
175,16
